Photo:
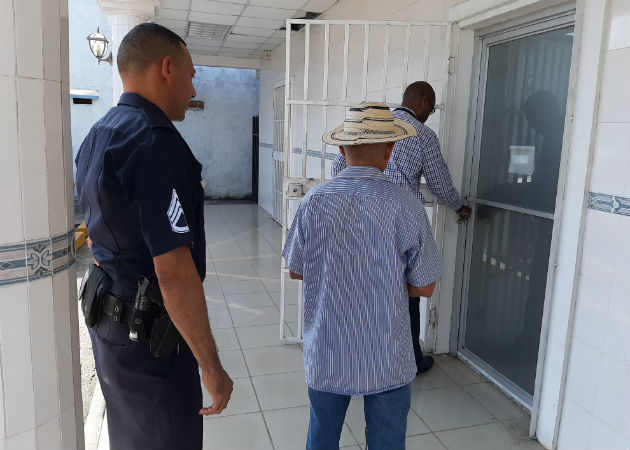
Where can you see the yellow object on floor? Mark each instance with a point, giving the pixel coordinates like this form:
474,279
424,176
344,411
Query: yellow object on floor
80,236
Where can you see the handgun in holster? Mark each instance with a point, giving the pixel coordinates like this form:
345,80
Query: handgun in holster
149,320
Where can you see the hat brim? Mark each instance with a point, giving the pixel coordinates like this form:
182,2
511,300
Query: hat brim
339,138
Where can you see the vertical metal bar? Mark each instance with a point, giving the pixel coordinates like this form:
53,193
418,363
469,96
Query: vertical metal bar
286,158
325,97
344,88
438,218
445,91
307,49
406,56
427,48
366,56
385,62
283,281
287,107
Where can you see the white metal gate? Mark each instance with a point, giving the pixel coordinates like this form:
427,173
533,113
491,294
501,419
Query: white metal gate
277,155
340,64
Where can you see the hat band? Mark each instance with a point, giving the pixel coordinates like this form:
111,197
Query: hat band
369,119
366,131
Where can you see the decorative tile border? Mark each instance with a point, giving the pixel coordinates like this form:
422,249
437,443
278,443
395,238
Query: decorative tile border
609,203
32,260
298,151
315,153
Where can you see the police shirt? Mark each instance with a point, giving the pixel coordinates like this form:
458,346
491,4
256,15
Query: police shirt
139,186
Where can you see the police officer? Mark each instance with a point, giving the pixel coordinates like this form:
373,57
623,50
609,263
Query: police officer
140,189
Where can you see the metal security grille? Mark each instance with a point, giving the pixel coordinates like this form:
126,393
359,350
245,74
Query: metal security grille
278,146
336,64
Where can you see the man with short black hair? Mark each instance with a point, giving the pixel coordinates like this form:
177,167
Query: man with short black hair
140,188
411,160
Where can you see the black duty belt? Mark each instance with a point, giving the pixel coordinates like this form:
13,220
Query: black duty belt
116,308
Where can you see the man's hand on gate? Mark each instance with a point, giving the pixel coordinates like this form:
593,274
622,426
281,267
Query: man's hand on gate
463,213
219,385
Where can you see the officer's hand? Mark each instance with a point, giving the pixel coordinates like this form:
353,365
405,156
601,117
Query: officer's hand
89,242
219,385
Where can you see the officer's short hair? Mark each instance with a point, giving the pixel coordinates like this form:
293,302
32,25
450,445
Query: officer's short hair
145,44
416,90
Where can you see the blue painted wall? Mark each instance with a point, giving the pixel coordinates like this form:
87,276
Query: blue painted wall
220,136
85,71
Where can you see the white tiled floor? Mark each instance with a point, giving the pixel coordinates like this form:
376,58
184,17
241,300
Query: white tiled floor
452,406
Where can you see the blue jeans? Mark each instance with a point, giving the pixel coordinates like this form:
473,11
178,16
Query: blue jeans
385,418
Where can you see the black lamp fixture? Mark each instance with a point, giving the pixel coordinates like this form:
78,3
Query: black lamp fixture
99,46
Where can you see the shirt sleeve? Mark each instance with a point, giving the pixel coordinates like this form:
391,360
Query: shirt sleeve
437,175
424,265
159,191
293,252
339,163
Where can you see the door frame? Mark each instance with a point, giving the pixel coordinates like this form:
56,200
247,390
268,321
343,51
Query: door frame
550,19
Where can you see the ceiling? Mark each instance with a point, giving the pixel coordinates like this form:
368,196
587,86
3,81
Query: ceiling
254,25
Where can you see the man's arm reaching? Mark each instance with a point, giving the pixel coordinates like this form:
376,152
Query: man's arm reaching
186,305
424,291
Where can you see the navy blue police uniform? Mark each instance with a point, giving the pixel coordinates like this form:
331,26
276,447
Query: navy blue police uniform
140,188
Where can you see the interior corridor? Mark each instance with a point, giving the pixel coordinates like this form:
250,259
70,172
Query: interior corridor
452,406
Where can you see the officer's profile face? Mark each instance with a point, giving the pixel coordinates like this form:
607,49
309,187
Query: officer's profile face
183,89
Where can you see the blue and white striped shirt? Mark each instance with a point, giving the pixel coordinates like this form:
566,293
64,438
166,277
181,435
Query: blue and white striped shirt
358,240
413,158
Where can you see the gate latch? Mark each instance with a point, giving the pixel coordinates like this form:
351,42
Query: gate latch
451,65
295,189
433,316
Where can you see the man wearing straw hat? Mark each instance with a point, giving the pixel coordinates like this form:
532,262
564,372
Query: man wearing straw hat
362,245
413,159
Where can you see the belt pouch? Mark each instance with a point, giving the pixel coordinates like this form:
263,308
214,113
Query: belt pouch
95,284
164,337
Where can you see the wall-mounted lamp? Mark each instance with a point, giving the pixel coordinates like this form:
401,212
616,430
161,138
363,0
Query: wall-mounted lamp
99,46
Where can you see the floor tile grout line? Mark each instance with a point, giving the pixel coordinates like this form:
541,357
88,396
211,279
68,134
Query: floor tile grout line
419,417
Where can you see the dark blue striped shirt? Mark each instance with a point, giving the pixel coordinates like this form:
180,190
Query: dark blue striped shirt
414,158
358,240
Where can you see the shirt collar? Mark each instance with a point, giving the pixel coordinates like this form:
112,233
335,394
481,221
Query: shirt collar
362,172
404,108
156,116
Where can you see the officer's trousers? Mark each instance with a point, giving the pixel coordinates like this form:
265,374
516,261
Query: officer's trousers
152,403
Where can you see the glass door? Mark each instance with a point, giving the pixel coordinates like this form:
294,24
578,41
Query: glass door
518,144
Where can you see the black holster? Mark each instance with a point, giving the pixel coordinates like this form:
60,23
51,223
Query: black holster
95,284
150,320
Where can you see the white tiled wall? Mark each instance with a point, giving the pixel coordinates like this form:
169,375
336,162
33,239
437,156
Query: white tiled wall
38,355
596,412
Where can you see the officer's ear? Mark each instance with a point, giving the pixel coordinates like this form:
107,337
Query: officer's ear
166,68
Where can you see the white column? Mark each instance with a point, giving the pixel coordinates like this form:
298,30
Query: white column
40,398
124,15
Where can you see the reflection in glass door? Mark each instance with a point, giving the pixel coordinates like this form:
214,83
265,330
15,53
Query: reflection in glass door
517,159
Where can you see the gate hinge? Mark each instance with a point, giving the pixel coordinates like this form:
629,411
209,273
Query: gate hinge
451,65
433,316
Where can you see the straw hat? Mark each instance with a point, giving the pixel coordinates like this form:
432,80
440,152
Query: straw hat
369,123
